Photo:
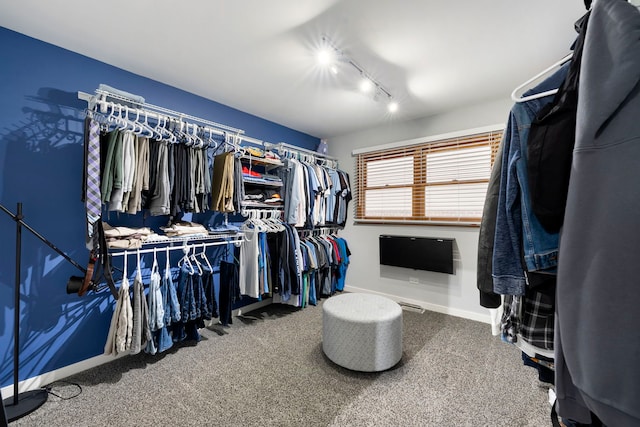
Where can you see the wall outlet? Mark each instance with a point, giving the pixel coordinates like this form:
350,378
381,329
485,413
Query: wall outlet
414,280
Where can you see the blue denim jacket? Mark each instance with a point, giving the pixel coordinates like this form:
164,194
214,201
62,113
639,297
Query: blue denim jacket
519,234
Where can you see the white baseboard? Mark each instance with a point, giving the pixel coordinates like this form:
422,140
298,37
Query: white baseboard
58,374
428,306
84,365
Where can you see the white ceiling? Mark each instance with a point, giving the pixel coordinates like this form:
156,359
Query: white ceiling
259,55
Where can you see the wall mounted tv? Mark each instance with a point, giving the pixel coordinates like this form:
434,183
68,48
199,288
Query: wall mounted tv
418,253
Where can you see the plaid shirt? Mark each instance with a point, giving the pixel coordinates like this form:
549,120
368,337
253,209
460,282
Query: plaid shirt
531,316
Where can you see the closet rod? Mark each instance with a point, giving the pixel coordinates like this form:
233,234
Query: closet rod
171,248
154,111
288,147
101,95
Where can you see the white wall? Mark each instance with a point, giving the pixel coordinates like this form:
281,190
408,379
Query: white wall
454,294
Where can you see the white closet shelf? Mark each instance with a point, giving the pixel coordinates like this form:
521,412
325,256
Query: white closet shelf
262,183
261,160
251,204
178,242
192,237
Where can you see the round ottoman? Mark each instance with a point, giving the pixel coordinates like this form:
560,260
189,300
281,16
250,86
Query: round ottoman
362,332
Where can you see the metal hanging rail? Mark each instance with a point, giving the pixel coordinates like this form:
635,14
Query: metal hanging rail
122,252
283,146
156,112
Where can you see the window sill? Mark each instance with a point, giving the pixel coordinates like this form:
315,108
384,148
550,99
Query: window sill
474,224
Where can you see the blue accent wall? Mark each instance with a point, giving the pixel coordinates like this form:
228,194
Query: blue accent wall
41,158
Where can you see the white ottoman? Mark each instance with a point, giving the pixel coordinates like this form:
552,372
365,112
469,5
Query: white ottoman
362,332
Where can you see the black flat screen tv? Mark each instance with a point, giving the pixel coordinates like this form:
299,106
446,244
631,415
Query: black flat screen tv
418,253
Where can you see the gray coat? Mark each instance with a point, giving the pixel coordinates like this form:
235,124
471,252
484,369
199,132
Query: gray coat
597,338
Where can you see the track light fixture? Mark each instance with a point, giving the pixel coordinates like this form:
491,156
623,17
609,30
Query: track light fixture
329,56
366,85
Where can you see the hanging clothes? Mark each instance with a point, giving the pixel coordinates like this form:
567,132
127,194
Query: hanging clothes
249,264
597,341
229,291
140,173
314,195
520,247
223,183
120,329
141,180
112,170
209,292
141,333
345,253
190,296
160,192
264,261
129,170
171,309
156,306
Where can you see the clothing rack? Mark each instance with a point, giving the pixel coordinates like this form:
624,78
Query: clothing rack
125,252
266,212
103,100
221,237
284,148
319,231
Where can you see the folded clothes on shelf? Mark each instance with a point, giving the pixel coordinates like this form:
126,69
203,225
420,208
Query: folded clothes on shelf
273,178
262,154
224,228
254,151
250,172
126,237
185,228
252,176
271,155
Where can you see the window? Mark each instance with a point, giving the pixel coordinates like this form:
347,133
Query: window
437,180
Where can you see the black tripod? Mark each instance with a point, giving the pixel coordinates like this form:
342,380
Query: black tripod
24,403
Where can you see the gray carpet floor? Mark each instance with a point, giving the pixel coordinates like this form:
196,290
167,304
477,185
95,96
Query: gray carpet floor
268,369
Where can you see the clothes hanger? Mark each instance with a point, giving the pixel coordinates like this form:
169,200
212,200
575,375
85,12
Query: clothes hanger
154,267
146,129
212,143
130,124
138,271
203,255
195,261
159,130
125,274
196,135
200,133
170,129
138,129
179,132
514,94
263,221
184,129
122,123
185,259
167,265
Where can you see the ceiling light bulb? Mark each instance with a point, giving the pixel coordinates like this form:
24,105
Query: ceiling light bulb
392,107
366,85
325,57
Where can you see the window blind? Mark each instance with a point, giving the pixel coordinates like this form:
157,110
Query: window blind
437,180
